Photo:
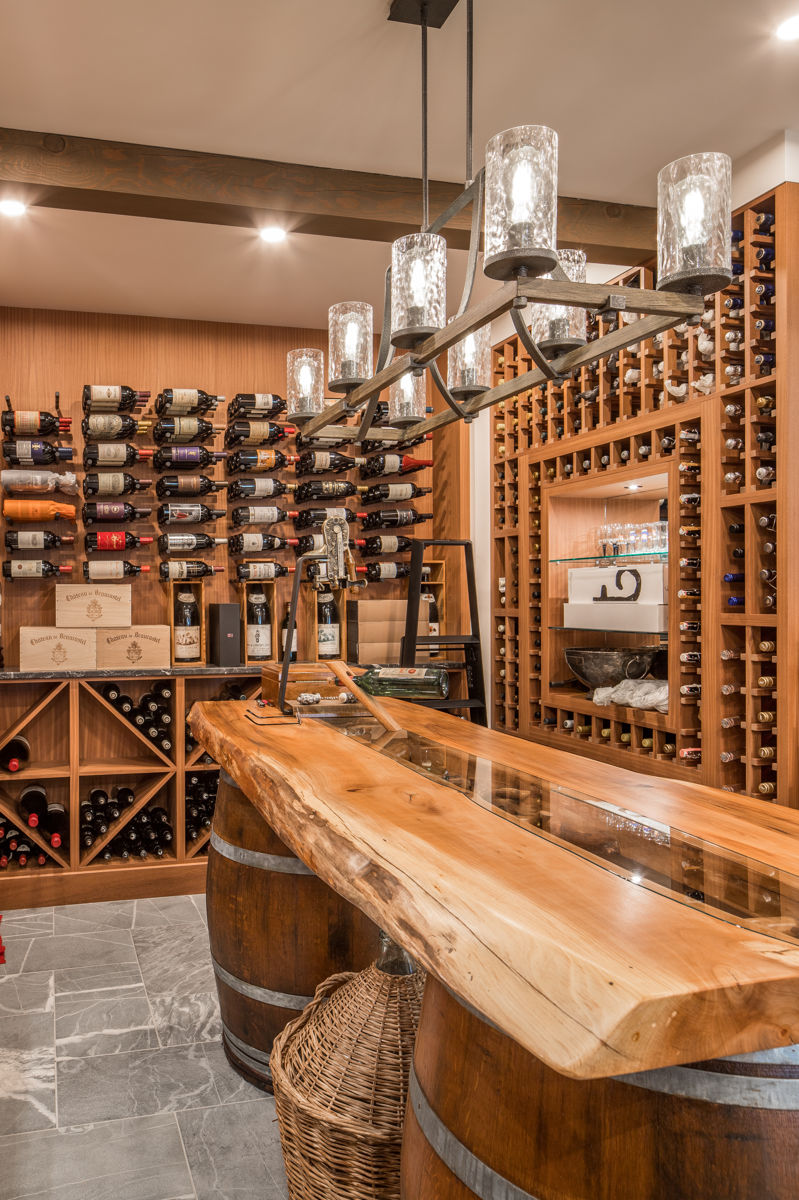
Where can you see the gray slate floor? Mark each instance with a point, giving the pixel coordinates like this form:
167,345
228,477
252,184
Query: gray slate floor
113,1081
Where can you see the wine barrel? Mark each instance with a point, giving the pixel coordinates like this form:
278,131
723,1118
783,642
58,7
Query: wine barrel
486,1119
276,931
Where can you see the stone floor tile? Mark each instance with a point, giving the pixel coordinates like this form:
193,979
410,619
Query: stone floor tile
26,993
234,1151
183,1019
175,959
105,1022
98,949
27,1074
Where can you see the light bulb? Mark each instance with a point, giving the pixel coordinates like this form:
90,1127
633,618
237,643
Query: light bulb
352,337
305,379
469,351
788,31
12,208
272,233
522,192
418,283
692,212
406,383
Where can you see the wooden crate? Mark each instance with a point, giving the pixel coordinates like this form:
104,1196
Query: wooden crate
46,648
93,605
139,646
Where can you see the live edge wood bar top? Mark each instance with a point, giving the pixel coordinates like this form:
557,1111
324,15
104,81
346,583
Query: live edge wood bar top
593,975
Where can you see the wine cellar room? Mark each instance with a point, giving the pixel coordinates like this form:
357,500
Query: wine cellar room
352,366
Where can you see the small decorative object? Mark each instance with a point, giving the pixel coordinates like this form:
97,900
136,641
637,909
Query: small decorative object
560,327
347,698
351,340
418,287
309,698
604,666
305,370
407,399
694,209
469,364
521,202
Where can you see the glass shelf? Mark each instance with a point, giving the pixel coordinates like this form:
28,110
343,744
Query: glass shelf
601,559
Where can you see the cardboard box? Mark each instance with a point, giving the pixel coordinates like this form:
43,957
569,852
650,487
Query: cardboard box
46,648
375,629
92,605
139,646
647,582
631,618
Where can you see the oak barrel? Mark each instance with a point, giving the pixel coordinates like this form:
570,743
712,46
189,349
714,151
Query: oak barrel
486,1119
276,931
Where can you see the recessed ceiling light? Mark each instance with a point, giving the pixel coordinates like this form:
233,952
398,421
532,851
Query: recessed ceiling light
633,487
788,31
272,233
12,208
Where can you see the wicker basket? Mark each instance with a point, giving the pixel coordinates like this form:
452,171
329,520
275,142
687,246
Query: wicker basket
340,1073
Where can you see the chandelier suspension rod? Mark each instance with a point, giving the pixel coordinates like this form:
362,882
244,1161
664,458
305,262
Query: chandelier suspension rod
425,181
469,88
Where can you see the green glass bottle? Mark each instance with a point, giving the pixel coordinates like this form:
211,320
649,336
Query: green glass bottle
405,683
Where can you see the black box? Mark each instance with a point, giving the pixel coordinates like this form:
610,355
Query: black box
224,635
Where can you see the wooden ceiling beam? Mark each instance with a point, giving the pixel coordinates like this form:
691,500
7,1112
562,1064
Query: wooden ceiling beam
55,170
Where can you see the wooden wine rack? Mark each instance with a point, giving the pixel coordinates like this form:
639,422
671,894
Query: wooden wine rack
558,448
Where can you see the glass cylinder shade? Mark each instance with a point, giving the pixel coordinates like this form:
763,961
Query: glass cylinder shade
351,333
418,287
694,210
521,202
560,327
305,371
407,399
469,364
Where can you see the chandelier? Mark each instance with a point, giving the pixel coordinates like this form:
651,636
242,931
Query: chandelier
513,199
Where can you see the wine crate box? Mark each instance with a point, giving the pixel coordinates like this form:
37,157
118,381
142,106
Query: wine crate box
375,629
138,646
618,597
47,648
93,606
302,677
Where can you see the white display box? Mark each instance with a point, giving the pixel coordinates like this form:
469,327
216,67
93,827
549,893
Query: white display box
630,618
648,582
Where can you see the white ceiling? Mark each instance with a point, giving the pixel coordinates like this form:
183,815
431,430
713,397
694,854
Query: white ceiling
331,82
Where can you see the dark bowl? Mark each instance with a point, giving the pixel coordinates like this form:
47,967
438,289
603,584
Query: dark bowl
600,666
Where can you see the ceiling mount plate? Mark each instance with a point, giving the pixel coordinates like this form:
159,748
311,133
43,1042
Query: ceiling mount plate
410,12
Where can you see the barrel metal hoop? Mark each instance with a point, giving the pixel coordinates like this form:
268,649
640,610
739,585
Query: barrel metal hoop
284,863
264,995
250,1054
737,1091
472,1172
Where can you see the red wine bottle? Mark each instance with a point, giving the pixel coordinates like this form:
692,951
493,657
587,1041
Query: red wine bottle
117,539
266,404
113,483
188,514
257,433
377,572
37,539
17,421
183,543
322,462
392,518
112,510
262,487
325,489
313,542
15,753
97,570
32,804
259,460
184,458
262,515
99,398
257,543
387,544
35,453
187,485
393,464
111,427
191,568
310,518
378,493
113,454
262,570
185,401
184,430
17,568
55,823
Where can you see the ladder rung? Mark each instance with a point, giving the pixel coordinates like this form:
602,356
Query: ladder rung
447,639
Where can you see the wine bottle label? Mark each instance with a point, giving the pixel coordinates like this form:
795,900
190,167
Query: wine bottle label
389,544
111,540
387,570
321,460
185,454
99,392
433,628
21,569
25,453
105,423
110,483
406,672
391,464
185,395
182,541
26,420
259,430
30,541
259,640
331,487
180,406
263,516
405,516
185,512
187,639
106,570
252,541
187,427
266,459
293,641
328,640
264,402
178,570
400,491
189,484
111,452
263,570
264,487
108,510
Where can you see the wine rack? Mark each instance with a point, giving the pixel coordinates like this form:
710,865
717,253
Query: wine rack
704,410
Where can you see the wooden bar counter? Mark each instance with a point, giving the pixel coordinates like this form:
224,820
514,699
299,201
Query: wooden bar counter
588,931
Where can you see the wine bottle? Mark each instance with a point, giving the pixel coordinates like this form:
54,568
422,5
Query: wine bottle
32,804
691,656
112,426
170,458
766,717
736,602
30,420
190,568
115,569
284,633
259,460
17,568
120,454
381,492
261,487
314,542
40,539
325,489
734,577
691,689
688,593
185,401
690,499
377,572
257,543
393,464
765,437
733,303
262,570
692,564
767,681
263,403
765,474
187,514
686,468
310,518
736,528
405,683
117,539
187,485
259,627
113,483
183,430
15,753
391,518
321,462
187,624
765,293
55,823
112,510
182,543
768,521
385,544
35,453
328,626
97,398
257,433
767,647
261,515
